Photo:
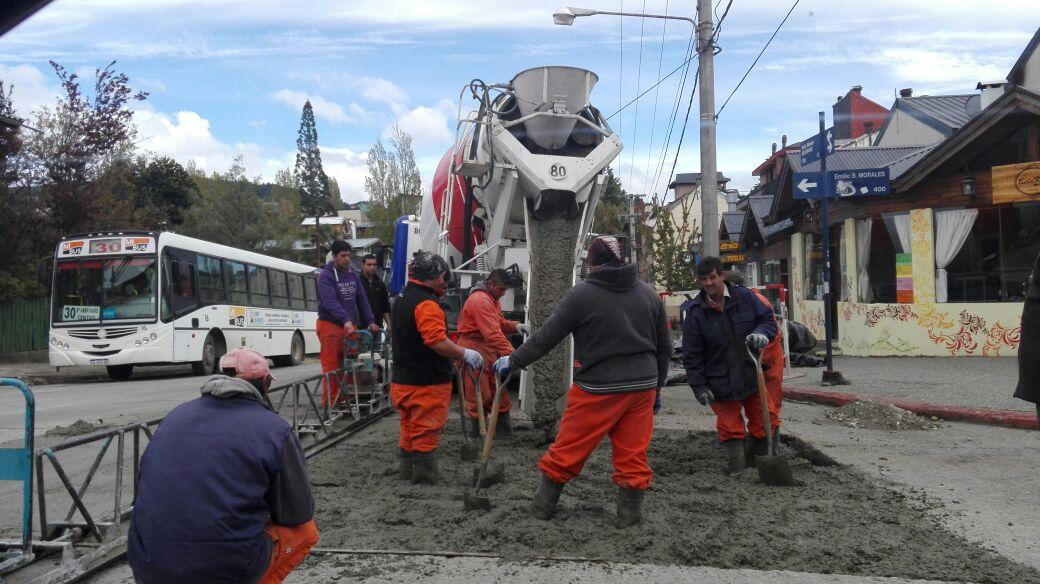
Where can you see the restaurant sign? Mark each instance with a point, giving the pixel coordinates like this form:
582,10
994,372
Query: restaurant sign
1015,183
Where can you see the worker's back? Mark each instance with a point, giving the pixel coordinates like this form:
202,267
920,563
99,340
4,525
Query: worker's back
201,509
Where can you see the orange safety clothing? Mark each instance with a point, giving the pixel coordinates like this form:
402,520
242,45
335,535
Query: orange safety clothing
483,329
424,411
290,545
429,319
628,418
773,363
331,336
730,423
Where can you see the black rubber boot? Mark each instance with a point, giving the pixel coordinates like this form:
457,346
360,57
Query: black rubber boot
473,427
754,447
546,498
629,507
404,467
734,456
424,468
504,426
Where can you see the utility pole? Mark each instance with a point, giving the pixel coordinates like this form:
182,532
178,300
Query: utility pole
709,171
630,220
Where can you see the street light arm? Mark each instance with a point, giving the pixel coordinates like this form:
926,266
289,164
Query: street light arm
566,17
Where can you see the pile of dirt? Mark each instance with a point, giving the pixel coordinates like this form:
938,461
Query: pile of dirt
77,428
838,522
872,415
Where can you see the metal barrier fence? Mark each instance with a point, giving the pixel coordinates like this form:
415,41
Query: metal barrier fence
318,423
24,325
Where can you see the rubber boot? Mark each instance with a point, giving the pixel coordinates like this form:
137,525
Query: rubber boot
546,498
404,466
629,507
754,447
424,468
504,426
734,456
473,427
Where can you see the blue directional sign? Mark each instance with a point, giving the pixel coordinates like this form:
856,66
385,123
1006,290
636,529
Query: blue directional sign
842,183
813,147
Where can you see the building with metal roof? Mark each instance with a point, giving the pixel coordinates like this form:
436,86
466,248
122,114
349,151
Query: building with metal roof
928,119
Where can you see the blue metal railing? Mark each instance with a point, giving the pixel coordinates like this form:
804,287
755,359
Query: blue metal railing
16,464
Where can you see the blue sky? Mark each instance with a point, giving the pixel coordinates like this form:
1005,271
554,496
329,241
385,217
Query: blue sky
229,78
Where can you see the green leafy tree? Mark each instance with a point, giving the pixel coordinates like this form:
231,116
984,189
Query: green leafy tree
313,183
18,206
165,188
393,183
669,244
613,203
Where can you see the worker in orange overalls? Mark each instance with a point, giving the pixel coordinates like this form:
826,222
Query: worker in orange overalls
483,328
773,371
622,341
719,325
422,366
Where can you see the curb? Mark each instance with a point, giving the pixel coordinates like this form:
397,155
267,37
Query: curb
988,416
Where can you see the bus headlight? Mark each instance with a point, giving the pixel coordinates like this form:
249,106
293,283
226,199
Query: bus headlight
64,346
153,336
137,343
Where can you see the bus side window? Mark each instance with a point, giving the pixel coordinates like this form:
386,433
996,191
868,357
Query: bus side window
310,287
211,280
297,300
166,289
235,276
259,293
279,290
183,288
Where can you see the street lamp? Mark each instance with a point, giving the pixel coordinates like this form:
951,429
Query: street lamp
706,68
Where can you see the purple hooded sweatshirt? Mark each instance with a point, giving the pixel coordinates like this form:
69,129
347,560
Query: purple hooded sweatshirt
341,297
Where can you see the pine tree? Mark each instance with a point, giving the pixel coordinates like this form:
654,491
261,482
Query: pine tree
315,196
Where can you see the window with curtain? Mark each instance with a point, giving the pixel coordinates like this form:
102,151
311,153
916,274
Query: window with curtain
994,262
813,266
880,285
967,255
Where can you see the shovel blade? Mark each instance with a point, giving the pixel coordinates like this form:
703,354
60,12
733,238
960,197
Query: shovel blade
475,502
496,473
775,471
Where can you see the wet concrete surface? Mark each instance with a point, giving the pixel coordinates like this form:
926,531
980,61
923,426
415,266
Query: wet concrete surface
840,521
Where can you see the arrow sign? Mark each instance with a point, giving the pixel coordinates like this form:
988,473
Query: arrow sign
805,185
814,147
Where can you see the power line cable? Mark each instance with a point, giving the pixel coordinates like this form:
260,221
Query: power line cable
621,80
657,95
639,81
675,110
755,62
682,135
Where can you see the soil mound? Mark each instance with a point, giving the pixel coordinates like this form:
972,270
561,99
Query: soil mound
879,416
839,521
77,428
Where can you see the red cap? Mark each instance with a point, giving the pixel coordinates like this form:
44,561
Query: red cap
247,363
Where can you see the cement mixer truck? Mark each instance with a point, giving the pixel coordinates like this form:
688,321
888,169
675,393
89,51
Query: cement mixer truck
518,190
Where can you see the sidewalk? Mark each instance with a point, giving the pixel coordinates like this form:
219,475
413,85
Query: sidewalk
971,389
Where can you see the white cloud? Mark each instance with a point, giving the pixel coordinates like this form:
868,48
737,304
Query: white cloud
349,168
30,88
381,90
428,127
187,136
323,108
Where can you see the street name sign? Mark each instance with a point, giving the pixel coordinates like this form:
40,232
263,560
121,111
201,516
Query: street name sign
813,147
841,183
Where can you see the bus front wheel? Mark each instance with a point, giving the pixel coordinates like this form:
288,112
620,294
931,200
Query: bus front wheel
120,372
212,351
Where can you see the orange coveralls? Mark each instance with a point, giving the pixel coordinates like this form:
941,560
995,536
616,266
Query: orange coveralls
289,546
483,329
423,408
729,422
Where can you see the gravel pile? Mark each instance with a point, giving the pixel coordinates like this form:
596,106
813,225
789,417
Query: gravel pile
874,415
77,428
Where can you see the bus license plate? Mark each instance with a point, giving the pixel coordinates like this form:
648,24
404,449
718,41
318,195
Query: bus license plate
99,361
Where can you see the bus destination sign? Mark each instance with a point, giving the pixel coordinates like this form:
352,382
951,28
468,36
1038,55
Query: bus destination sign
106,246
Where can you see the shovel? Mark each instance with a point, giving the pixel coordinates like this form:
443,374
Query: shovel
469,450
773,469
479,498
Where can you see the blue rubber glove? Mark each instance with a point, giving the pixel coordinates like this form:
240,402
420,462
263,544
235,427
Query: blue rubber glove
473,359
703,394
502,366
657,401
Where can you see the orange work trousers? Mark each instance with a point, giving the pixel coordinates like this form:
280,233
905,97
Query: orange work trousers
730,423
628,418
773,366
331,336
486,381
424,411
290,545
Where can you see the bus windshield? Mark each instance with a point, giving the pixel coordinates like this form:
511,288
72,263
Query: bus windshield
105,289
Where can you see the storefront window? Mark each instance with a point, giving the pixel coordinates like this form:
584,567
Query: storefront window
880,283
997,255
813,266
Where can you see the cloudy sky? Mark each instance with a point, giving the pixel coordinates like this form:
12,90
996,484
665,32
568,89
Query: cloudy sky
229,78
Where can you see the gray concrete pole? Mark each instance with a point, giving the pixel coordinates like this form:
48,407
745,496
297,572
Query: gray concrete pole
632,228
709,171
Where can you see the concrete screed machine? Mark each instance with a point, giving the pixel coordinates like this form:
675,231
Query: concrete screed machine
518,190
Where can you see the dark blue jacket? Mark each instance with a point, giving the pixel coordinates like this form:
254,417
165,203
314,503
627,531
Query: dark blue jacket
218,468
714,352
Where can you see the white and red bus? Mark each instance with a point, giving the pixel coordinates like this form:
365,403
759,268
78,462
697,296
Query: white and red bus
123,299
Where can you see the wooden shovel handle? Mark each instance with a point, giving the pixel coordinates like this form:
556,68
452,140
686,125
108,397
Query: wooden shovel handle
493,421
